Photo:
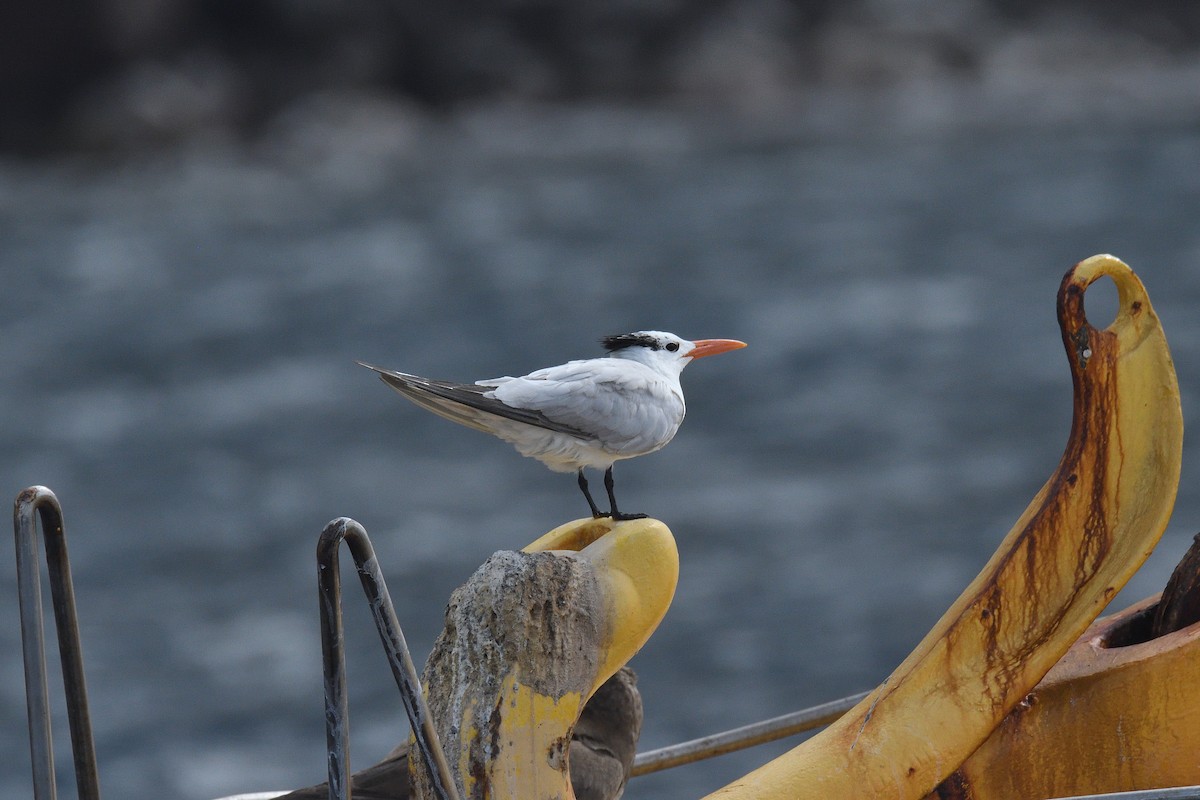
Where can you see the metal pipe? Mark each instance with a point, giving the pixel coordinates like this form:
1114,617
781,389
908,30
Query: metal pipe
333,655
33,646
333,651
41,500
1177,793
746,736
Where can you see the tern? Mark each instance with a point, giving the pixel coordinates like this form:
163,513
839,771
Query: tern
582,414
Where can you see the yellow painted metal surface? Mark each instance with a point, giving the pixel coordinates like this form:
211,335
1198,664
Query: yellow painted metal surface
1083,535
1110,717
637,563
530,745
636,567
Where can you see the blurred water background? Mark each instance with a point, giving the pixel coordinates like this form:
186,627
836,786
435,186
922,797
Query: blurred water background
200,233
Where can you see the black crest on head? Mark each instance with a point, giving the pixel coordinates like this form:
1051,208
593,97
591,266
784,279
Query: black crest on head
623,340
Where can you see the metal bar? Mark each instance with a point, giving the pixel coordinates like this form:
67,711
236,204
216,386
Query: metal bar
33,646
1177,793
333,654
403,670
333,651
746,736
41,500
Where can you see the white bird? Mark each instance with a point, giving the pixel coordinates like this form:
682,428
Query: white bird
588,413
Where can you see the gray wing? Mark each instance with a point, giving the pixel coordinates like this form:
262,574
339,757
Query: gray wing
629,408
466,404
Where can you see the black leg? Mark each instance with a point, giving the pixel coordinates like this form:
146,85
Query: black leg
612,500
596,514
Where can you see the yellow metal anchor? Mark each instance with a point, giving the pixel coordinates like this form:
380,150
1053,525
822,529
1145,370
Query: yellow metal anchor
1085,533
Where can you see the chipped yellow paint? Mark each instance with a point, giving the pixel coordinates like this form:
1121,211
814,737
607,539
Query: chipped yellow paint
532,741
637,564
466,734
1081,538
523,754
527,751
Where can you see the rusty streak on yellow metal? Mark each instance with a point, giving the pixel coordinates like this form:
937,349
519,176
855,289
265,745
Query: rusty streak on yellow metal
1081,538
1118,713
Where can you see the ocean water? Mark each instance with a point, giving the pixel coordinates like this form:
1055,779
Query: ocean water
177,344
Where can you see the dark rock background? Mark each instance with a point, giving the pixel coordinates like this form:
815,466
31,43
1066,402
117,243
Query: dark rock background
121,73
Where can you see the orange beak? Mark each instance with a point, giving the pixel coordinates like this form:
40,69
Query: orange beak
710,347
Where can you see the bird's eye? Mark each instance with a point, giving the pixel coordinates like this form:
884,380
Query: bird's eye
673,346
